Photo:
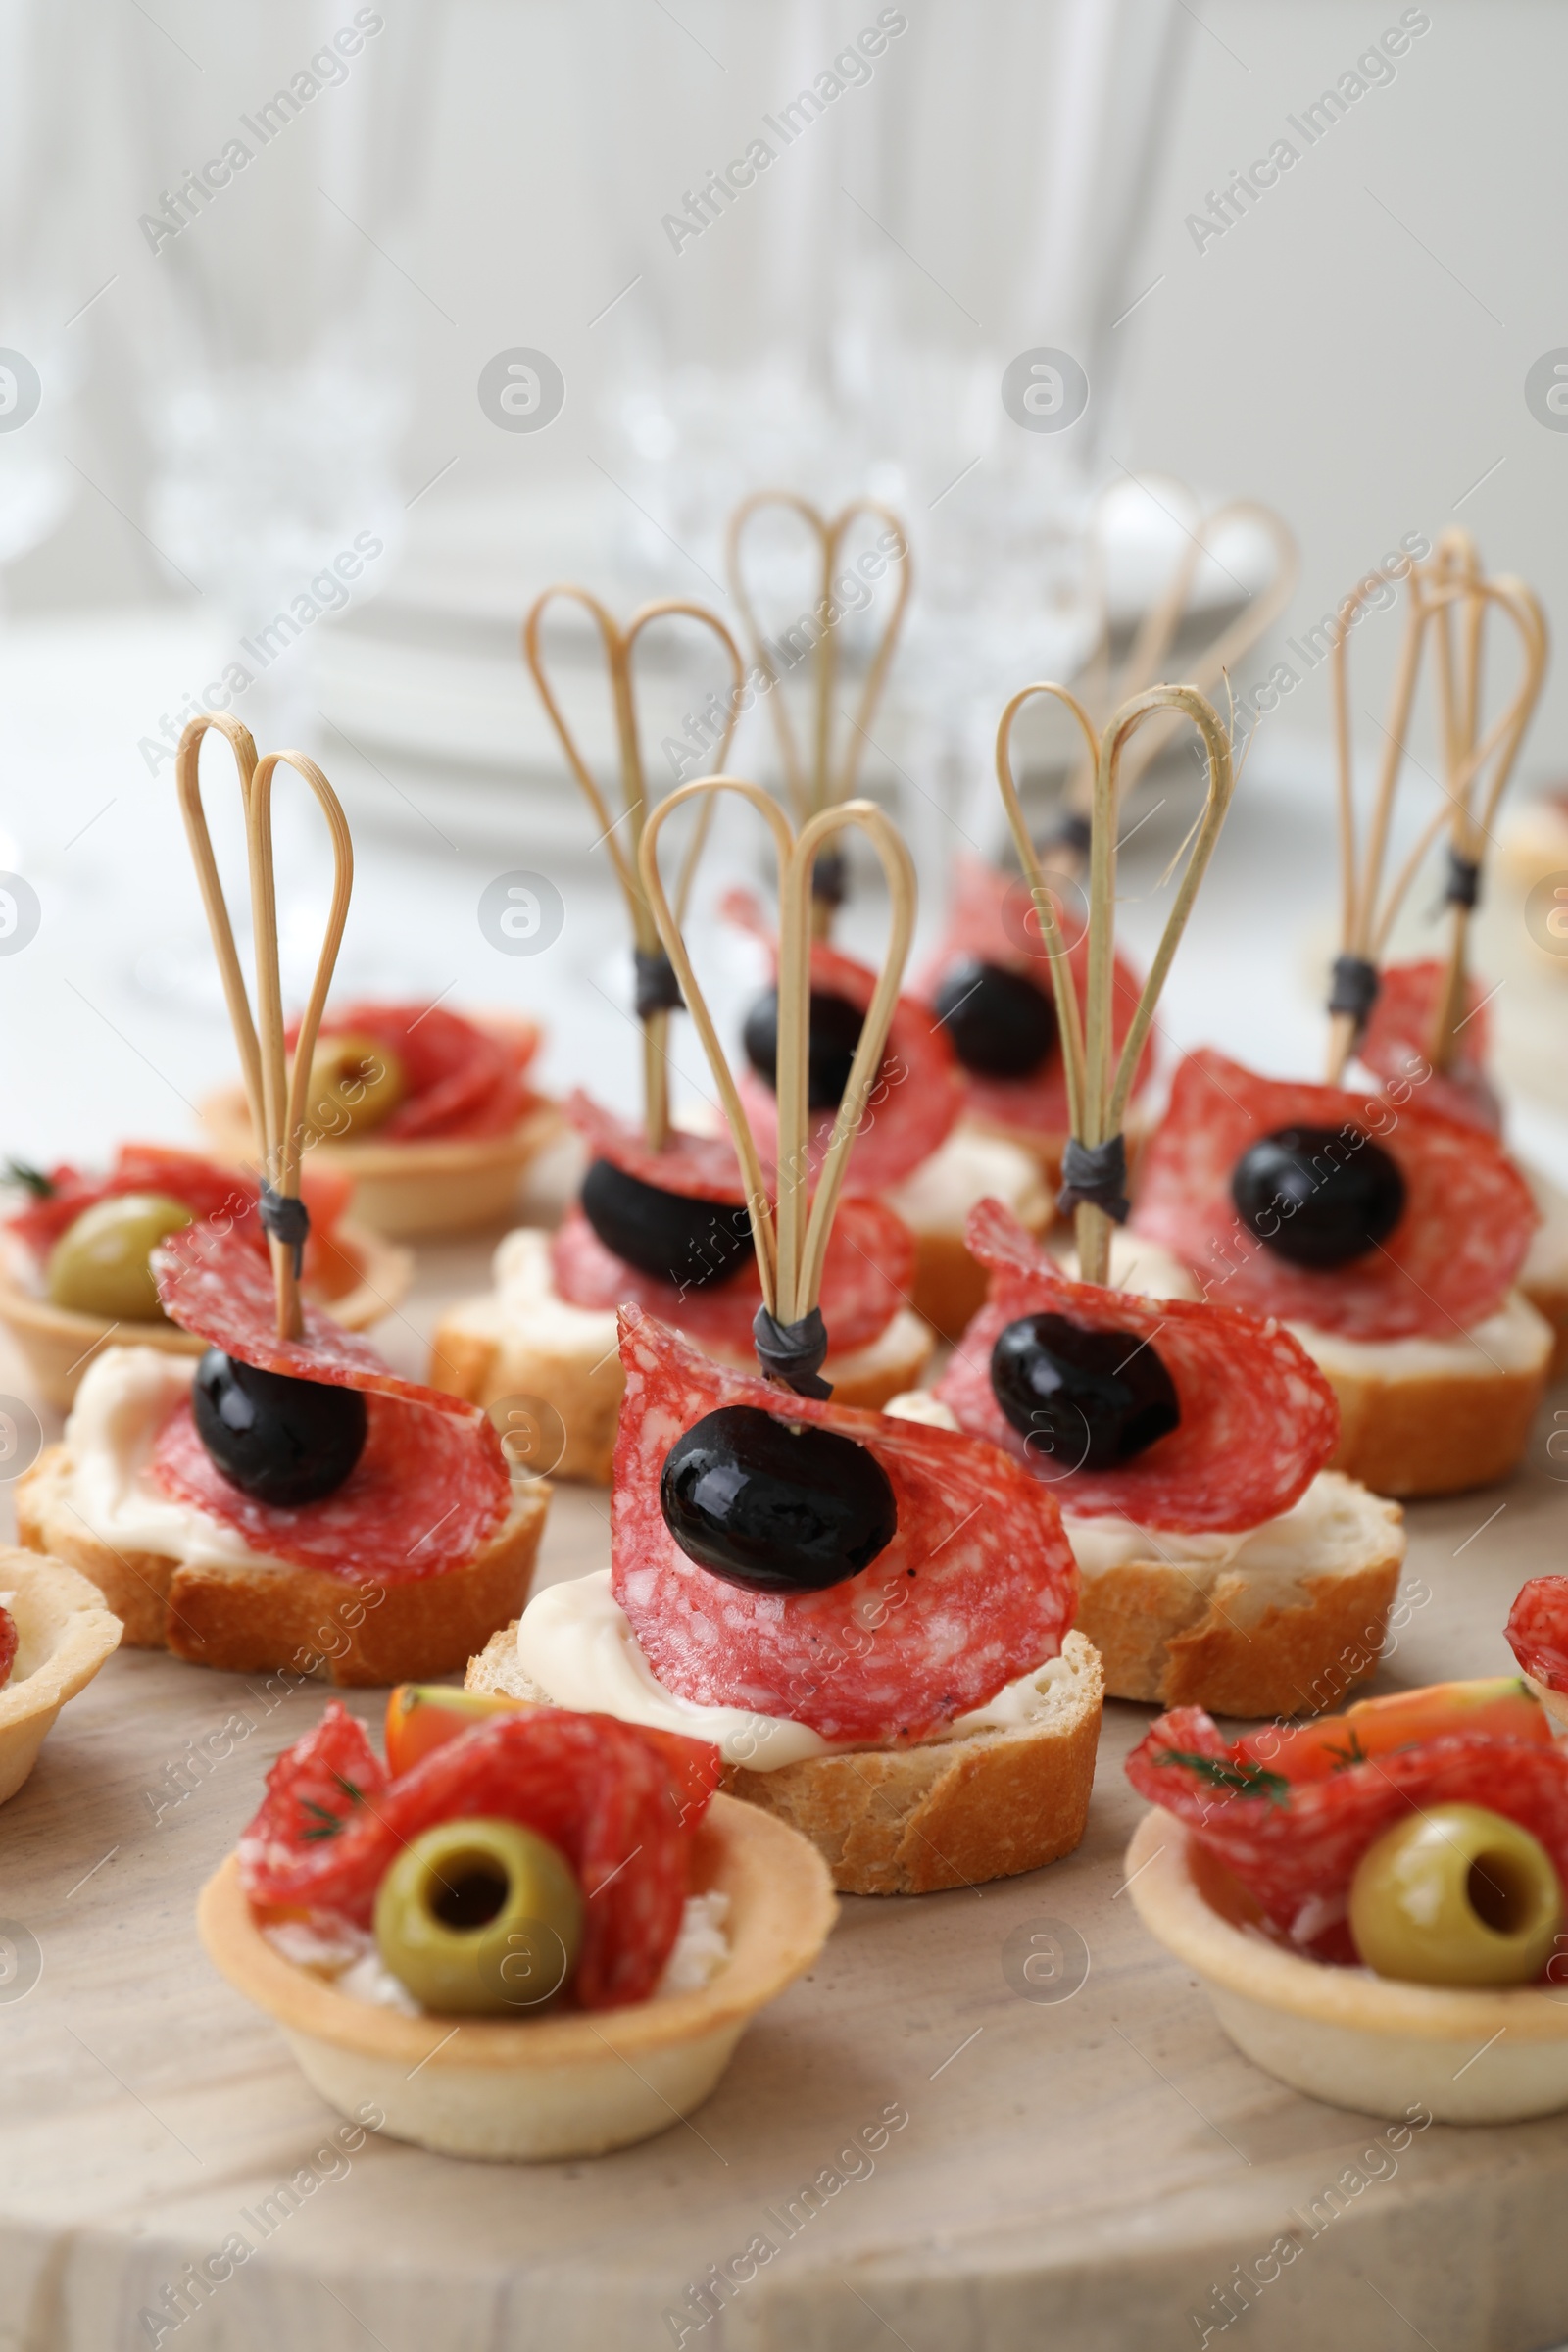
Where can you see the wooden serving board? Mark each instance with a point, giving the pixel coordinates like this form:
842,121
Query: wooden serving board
917,2146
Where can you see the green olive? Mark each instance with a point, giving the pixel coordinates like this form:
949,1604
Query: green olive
355,1084
99,1266
1457,1895
479,1919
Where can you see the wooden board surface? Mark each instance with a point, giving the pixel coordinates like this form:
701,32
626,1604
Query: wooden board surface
1082,2172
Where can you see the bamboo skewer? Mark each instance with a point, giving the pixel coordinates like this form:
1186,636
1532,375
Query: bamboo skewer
1466,761
1367,911
1099,1080
791,1235
620,645
1157,632
825,785
277,1098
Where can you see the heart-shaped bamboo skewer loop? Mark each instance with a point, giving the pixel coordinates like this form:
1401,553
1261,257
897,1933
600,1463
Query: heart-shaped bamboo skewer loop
1157,632
791,1236
654,992
278,1099
826,784
1368,911
1100,1080
1475,806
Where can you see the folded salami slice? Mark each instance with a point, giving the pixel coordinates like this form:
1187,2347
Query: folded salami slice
1447,1264
465,1081
215,1284
700,1168
1536,1630
991,918
865,1280
977,1586
1295,1845
208,1191
914,1103
1394,1043
425,1495
331,1825
1258,1419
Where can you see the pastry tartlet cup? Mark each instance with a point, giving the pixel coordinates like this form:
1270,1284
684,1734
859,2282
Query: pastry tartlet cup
361,1279
63,1634
1342,2035
448,1184
564,2085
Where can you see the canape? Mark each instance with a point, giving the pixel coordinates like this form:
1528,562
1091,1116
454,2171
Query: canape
544,1939
429,1114
1374,1902
55,1633
75,1261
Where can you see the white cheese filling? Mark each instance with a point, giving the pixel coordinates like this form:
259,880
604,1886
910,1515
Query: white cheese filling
348,1957
966,1167
575,1642
1516,1338
125,1396
526,1310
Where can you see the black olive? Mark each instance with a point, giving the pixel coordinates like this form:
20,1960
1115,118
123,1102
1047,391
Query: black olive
999,1022
281,1440
1087,1400
697,1245
1319,1196
835,1032
774,1507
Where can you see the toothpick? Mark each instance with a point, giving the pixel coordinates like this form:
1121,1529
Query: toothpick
1161,625
619,645
791,1237
826,784
277,1100
1099,1080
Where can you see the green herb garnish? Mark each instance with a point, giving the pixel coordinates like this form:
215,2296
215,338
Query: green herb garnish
28,1179
1236,1780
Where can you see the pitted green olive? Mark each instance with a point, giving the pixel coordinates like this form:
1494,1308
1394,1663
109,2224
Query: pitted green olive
1457,1895
481,1918
99,1266
355,1084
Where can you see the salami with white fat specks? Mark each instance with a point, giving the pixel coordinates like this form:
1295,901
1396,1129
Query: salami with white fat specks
700,1168
1447,1264
866,1279
1394,1042
918,1092
431,1485
992,918
977,1586
1257,1422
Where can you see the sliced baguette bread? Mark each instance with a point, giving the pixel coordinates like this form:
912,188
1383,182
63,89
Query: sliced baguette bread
251,1618
911,1820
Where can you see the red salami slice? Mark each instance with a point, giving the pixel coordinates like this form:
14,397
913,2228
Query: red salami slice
1398,1034
977,1586
597,1788
464,1080
1446,1266
8,1644
992,917
310,1790
701,1168
1296,1846
1258,1419
425,1495
213,1284
865,1280
206,1190
1536,1630
917,1098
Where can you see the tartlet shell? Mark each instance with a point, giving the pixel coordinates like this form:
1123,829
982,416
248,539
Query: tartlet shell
559,2086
